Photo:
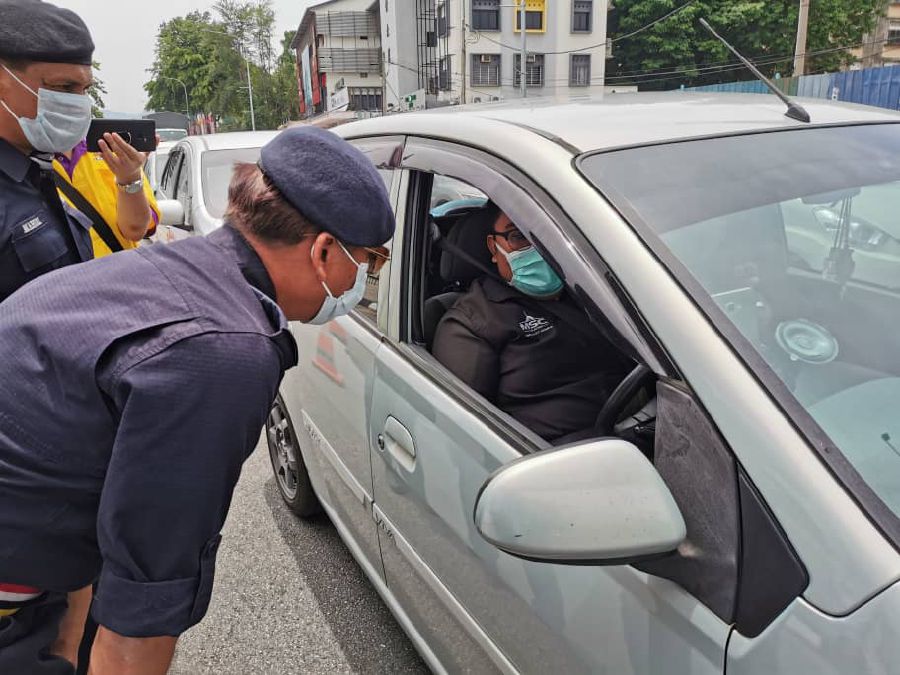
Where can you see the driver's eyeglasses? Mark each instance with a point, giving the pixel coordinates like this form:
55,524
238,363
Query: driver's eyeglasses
514,238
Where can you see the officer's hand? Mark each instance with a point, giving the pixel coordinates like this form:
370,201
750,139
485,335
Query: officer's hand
123,160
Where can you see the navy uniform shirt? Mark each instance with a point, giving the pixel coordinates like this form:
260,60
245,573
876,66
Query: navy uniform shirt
529,358
134,387
38,233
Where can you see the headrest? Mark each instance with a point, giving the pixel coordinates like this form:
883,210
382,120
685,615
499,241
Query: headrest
469,234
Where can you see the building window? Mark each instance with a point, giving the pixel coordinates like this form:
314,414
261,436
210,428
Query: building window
893,33
442,28
444,74
486,14
582,12
364,98
533,20
580,70
534,70
485,70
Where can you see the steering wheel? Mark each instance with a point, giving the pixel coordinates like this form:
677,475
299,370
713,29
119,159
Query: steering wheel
622,395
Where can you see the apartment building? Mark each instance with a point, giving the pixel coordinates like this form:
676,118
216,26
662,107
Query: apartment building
456,51
882,46
338,52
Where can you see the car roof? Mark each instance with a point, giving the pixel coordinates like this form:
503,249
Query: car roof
229,141
615,120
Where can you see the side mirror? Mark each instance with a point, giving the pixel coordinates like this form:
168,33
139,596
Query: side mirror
598,503
171,213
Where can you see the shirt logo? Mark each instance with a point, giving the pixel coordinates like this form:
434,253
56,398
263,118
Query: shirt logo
32,225
532,326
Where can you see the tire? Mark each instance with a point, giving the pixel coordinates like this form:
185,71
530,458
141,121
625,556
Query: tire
291,475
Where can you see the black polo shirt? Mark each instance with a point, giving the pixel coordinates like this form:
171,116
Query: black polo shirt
38,233
134,387
528,358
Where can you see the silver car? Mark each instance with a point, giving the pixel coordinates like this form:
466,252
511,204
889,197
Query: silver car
735,508
192,191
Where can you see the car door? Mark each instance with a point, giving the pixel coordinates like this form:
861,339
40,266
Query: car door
437,443
171,175
330,391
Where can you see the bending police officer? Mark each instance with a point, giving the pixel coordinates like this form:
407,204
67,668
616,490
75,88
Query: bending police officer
121,439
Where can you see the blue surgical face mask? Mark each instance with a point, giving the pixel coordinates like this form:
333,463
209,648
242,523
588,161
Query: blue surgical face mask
62,119
531,274
333,307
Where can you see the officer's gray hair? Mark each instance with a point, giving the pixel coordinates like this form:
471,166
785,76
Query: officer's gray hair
258,208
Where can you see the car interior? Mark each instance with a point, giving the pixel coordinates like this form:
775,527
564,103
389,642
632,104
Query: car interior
456,255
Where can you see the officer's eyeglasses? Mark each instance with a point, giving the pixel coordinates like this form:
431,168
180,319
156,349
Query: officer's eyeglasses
376,257
514,238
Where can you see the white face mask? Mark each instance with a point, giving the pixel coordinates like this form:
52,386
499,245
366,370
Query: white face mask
62,119
333,307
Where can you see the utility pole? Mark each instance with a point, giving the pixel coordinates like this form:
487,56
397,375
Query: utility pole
246,58
465,63
524,56
250,91
800,50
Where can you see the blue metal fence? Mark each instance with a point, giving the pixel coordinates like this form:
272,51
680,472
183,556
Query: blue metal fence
872,86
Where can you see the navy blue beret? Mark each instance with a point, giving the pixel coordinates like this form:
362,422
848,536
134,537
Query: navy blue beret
31,30
331,183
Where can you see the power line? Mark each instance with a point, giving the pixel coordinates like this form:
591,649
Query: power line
599,44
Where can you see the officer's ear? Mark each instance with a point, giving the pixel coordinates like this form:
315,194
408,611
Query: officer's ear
323,246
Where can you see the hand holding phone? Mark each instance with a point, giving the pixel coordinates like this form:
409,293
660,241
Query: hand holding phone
123,160
139,134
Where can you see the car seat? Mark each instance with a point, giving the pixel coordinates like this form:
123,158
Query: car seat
468,236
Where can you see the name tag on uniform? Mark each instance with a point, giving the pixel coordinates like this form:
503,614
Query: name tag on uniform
32,225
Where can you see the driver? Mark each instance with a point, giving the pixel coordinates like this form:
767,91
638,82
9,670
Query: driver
520,341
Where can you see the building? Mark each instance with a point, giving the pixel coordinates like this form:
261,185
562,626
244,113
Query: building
882,46
455,51
338,52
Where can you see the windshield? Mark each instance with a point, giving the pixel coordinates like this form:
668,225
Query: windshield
795,236
217,166
171,134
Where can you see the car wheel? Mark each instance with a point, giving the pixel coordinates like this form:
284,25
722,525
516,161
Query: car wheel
291,475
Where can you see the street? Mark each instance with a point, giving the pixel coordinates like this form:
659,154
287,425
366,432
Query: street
289,598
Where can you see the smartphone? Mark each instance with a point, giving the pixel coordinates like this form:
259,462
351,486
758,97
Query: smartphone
139,134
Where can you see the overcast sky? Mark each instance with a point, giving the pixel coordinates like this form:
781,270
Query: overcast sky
125,35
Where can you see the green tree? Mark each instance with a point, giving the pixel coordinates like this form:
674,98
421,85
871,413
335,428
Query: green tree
96,92
679,51
210,55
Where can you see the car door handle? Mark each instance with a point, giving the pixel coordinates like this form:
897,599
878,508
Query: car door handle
398,443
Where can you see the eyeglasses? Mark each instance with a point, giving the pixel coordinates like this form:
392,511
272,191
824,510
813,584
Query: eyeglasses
514,238
376,257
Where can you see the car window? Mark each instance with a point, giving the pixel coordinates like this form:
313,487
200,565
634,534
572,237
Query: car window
384,153
183,188
170,174
522,341
368,306
793,240
216,169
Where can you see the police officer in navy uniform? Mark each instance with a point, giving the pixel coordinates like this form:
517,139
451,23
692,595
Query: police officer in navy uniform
127,409
45,71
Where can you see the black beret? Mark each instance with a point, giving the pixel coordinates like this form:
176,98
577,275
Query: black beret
31,30
331,183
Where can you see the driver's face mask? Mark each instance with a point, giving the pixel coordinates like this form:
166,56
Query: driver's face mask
62,119
531,274
333,307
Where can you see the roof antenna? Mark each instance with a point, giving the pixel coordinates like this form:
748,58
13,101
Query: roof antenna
794,110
